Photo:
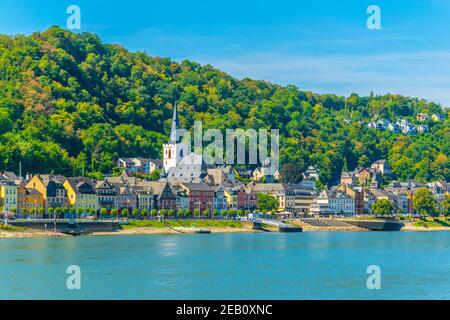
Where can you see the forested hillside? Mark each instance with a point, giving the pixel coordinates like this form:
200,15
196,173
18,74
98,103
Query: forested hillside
68,101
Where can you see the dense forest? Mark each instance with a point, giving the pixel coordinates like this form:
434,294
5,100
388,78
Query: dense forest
69,103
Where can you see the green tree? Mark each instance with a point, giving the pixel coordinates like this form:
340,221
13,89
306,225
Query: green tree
81,105
155,175
267,202
103,212
124,212
382,207
135,212
363,161
224,213
291,173
446,205
424,202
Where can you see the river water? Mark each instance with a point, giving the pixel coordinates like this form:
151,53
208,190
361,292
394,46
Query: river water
316,265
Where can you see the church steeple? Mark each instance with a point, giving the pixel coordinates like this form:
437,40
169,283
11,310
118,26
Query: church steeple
174,128
174,150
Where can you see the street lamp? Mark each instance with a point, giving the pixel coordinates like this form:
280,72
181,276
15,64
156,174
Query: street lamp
5,213
84,208
128,207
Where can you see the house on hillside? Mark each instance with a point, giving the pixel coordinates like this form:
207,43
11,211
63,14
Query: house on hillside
348,178
312,172
381,166
422,128
438,117
422,117
140,165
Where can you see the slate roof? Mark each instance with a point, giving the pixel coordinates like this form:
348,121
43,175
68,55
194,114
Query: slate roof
191,168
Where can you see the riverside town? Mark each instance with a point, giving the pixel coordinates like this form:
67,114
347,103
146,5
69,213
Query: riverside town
220,158
182,186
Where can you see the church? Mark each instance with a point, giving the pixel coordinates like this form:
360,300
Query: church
179,163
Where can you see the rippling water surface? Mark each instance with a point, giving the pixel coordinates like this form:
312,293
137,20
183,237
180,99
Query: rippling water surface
229,266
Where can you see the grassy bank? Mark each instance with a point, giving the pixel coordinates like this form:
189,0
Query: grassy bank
8,228
430,223
183,223
8,231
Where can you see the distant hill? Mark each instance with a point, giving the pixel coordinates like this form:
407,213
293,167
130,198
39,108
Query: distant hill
68,101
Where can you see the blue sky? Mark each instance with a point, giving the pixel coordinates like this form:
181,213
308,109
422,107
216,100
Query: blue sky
318,45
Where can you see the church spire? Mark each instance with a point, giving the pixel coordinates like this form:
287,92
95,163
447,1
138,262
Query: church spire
174,128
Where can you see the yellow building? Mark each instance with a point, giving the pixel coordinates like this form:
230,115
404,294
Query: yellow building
81,193
36,183
8,196
52,189
232,198
21,195
34,202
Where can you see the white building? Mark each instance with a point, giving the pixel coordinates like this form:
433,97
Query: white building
394,127
333,202
311,173
220,201
182,199
368,200
437,117
381,166
406,127
174,151
140,165
401,202
422,128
